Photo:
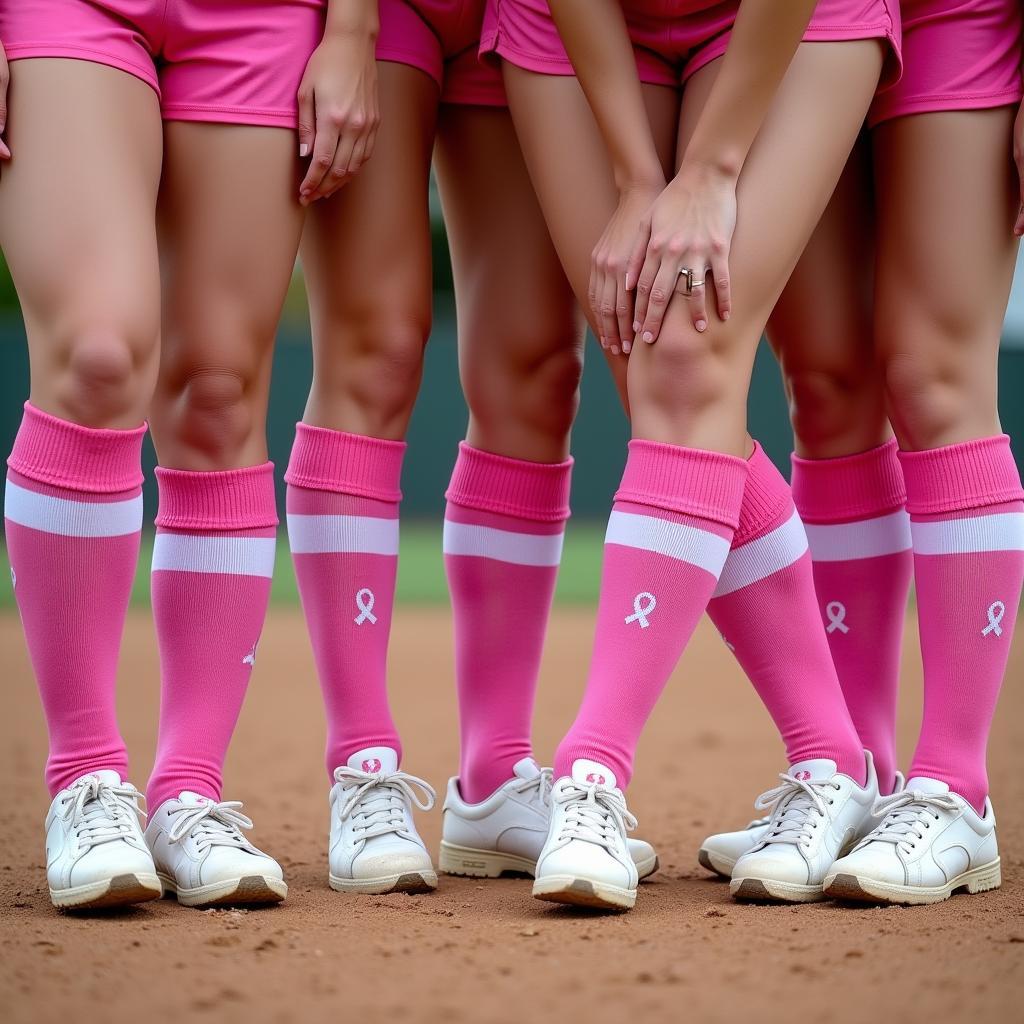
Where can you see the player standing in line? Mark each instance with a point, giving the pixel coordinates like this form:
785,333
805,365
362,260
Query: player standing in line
691,488
367,260
143,138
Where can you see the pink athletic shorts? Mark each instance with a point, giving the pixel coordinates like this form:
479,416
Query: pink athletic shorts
227,61
673,39
958,55
442,39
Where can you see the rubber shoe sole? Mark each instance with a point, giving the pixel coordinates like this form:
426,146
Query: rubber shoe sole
766,890
860,889
583,892
119,891
715,862
246,891
466,861
410,882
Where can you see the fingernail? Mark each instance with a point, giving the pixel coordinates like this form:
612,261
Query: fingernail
648,337
615,350
725,315
636,326
701,325
626,347
303,150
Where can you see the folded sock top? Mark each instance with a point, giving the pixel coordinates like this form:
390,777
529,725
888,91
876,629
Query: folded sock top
232,499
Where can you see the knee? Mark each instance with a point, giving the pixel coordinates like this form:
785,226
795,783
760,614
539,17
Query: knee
108,374
684,373
836,410
213,409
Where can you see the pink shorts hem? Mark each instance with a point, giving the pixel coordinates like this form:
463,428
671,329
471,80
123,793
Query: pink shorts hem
28,51
412,59
940,103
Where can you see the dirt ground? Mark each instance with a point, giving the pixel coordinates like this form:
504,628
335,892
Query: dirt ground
484,951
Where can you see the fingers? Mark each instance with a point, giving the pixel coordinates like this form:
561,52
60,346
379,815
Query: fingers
623,311
723,285
609,324
697,299
307,120
661,291
340,170
644,284
634,267
325,146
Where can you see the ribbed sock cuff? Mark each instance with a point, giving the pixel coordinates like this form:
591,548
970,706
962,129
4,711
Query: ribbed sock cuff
687,480
233,499
64,454
767,500
860,486
512,487
960,477
333,460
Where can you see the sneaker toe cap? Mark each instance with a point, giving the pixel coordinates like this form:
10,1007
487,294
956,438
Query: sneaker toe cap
385,864
880,865
780,865
587,860
224,863
110,861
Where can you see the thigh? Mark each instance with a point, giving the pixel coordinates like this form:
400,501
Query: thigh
519,330
947,199
366,255
77,228
569,165
785,185
229,227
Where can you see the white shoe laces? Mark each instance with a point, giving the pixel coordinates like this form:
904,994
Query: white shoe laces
905,815
594,814
380,800
796,807
99,812
537,789
210,824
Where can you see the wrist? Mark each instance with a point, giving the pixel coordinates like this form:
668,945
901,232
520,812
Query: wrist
350,19
719,172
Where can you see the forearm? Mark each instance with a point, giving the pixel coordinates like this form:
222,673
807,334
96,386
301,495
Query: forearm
595,37
764,39
352,17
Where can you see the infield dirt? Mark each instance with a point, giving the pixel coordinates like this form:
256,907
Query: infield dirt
484,951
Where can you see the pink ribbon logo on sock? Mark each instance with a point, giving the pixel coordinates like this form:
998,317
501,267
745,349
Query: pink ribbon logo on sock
250,658
643,604
996,611
836,612
364,602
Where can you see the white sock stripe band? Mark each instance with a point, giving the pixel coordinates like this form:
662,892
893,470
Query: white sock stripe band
503,545
232,556
758,559
320,535
72,518
1002,531
867,538
686,543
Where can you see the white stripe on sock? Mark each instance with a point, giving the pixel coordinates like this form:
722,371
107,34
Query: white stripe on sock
72,518
867,538
319,535
758,559
502,545
233,556
686,543
1002,531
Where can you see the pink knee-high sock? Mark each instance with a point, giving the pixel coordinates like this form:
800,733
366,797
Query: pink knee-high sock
766,610
343,495
859,534
668,537
503,531
213,560
73,518
967,523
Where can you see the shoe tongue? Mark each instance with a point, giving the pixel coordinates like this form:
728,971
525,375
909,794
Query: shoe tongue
526,769
109,777
816,770
922,784
589,773
191,799
374,760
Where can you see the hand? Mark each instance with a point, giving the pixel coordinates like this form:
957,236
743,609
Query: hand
338,112
1018,156
610,282
5,78
690,226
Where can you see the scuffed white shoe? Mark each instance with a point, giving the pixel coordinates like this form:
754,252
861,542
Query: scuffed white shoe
374,845
203,858
929,844
817,814
506,832
718,853
585,860
95,852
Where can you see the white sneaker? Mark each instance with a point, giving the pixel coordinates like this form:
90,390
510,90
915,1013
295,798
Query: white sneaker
374,845
203,858
817,814
718,853
929,844
585,860
95,853
506,832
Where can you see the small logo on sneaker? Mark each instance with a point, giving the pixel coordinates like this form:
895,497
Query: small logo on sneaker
250,658
596,779
371,765
803,776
